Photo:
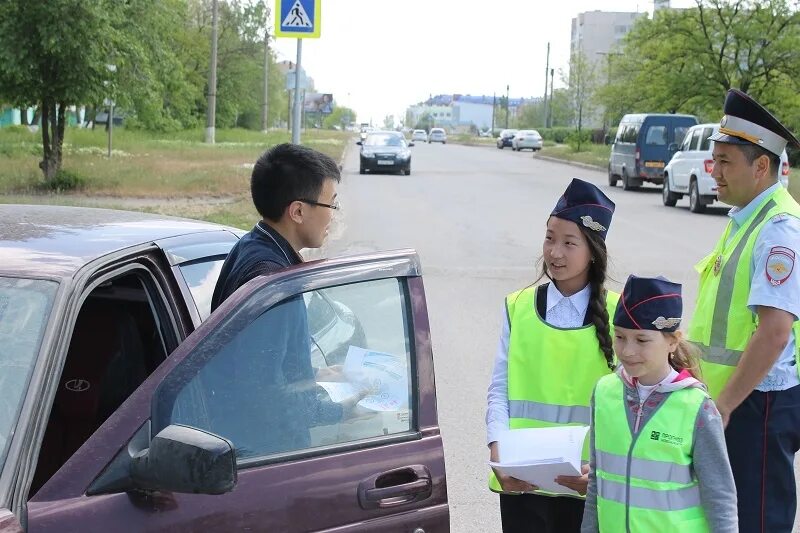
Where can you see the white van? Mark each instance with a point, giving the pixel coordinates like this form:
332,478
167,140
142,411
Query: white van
689,170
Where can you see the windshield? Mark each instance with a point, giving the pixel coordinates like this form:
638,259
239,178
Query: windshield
385,140
24,307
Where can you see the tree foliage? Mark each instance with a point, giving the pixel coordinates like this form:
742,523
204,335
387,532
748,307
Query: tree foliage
684,61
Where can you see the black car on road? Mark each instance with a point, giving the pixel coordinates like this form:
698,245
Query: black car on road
385,151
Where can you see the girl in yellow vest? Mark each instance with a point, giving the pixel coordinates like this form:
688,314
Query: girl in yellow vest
554,346
658,456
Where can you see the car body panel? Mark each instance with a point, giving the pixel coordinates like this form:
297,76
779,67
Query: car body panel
527,139
505,138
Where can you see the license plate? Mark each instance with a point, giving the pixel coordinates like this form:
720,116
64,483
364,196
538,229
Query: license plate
654,164
386,162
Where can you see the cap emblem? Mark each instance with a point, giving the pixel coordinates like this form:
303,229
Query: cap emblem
592,224
723,121
662,322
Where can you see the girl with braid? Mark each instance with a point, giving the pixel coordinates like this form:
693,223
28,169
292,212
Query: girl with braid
555,344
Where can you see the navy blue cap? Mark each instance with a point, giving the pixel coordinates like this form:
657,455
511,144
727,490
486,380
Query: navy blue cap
585,205
649,303
748,122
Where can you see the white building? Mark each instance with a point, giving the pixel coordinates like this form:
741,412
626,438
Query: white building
459,112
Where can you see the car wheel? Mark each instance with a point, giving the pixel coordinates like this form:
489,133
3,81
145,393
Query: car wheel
407,171
668,197
612,178
444,142
500,146
361,170
695,204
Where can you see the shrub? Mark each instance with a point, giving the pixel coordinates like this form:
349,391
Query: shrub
579,141
64,181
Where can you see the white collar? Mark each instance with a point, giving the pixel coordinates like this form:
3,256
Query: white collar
579,300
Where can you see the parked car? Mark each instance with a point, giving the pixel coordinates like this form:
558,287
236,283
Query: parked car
385,151
485,133
505,137
644,145
124,405
419,135
437,135
689,170
526,139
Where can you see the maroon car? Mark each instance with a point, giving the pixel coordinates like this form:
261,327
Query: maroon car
306,402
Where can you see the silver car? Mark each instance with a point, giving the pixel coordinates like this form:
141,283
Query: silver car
526,140
437,135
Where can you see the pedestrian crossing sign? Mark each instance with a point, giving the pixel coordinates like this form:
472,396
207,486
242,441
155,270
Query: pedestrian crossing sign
298,18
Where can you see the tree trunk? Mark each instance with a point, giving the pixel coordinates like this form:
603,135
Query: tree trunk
37,114
52,138
23,115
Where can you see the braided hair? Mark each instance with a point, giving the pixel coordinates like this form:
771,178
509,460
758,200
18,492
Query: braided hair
597,311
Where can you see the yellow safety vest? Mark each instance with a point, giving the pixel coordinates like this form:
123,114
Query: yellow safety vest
551,371
645,481
722,324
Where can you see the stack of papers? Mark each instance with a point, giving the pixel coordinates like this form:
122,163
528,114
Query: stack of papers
540,455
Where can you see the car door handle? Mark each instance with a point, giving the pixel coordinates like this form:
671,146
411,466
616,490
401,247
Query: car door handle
400,486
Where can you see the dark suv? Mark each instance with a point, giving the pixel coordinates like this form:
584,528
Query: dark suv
504,139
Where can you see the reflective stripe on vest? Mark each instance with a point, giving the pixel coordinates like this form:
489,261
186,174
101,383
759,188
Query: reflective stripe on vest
722,324
551,371
554,414
645,480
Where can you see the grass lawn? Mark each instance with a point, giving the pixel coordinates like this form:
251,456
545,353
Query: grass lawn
174,173
592,154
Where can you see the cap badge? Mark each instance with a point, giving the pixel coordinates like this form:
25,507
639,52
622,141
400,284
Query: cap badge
662,322
723,121
592,224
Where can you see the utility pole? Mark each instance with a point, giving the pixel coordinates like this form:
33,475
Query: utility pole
546,70
264,108
550,117
298,103
507,105
212,77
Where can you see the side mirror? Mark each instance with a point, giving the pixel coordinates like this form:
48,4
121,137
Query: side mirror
185,459
673,147
359,143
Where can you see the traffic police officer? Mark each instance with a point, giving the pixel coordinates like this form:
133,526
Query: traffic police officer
746,319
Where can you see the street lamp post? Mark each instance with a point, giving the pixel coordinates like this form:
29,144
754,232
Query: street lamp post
507,105
110,101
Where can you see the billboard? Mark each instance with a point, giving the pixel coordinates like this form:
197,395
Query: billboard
318,103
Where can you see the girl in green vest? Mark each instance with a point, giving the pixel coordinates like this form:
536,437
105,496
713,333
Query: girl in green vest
554,347
658,456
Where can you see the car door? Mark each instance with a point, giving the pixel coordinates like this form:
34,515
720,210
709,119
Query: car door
681,164
246,375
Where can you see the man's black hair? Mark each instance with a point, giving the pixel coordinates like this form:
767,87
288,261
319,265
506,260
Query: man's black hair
289,172
753,152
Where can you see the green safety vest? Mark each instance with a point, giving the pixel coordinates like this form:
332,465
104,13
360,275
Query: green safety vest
645,479
551,371
722,324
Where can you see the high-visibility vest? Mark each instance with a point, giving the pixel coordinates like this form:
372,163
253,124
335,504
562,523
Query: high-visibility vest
645,480
551,371
722,324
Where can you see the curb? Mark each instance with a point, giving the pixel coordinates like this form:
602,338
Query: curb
568,162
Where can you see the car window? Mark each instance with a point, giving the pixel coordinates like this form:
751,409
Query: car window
705,143
631,133
694,141
656,136
621,133
385,140
680,132
24,308
685,144
263,388
201,277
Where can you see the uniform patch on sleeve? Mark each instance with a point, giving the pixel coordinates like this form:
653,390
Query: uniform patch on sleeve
780,264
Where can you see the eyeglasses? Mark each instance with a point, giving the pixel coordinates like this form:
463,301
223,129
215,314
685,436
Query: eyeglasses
335,205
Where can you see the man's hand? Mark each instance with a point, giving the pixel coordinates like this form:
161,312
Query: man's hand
577,483
330,373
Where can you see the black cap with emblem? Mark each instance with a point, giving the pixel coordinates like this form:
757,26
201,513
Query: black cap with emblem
649,303
586,205
748,122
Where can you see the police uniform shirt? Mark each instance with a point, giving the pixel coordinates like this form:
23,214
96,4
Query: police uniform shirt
782,232
561,312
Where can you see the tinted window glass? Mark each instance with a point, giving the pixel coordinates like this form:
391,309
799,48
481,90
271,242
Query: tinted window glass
686,143
694,140
680,132
24,308
705,143
656,136
327,368
385,140
631,133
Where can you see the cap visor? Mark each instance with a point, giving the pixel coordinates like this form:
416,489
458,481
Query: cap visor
730,139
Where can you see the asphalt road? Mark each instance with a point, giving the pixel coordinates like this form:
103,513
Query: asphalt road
476,215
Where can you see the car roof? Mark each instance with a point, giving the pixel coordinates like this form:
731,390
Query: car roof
56,241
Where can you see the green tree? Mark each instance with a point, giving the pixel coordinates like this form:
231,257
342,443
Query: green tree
341,116
530,116
685,60
581,81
